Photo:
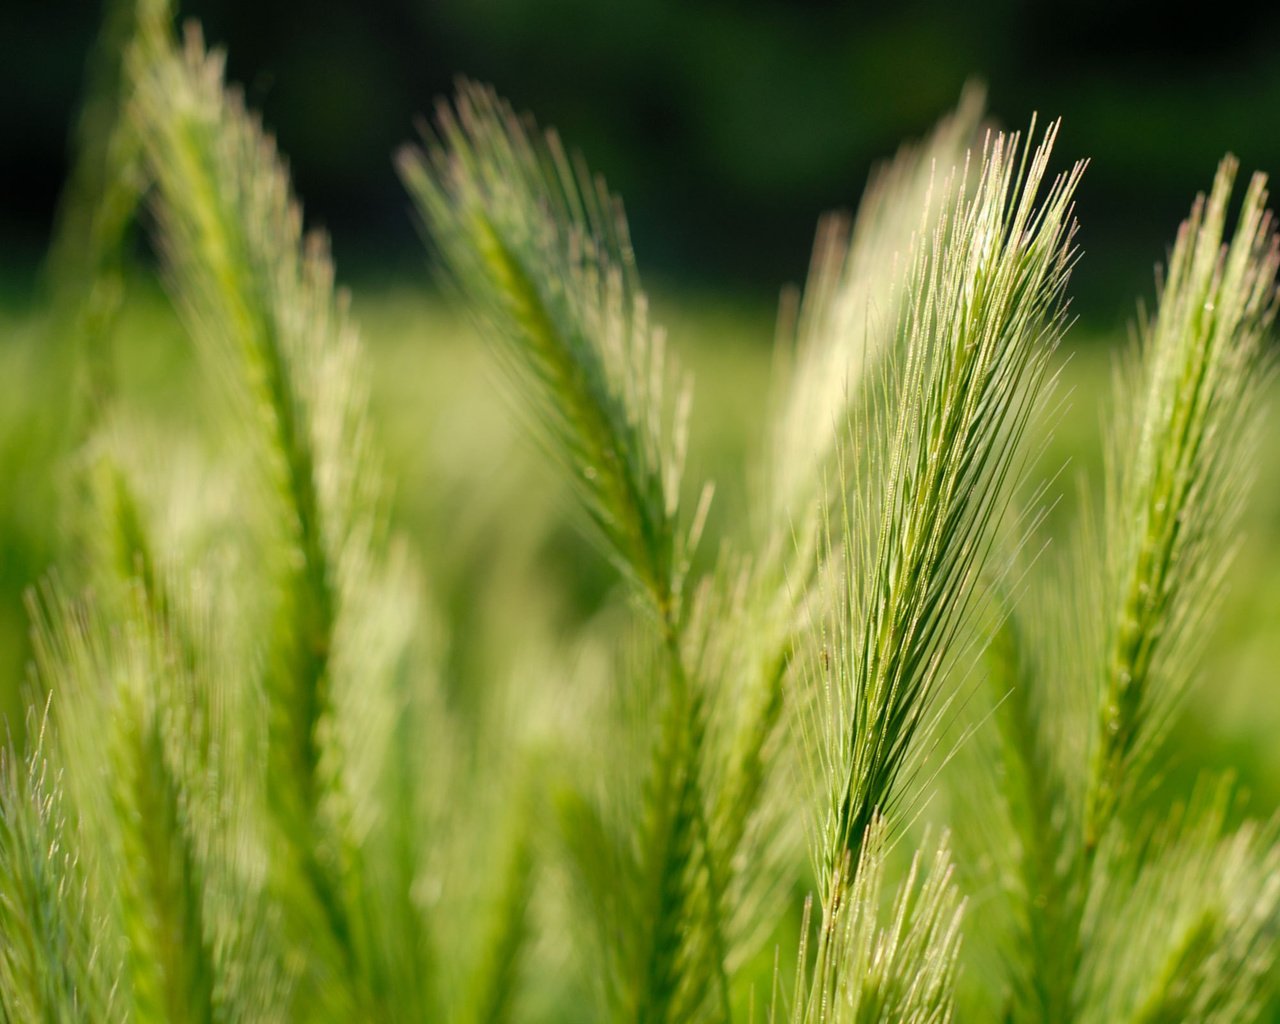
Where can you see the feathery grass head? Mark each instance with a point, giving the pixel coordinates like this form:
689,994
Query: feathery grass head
847,322
541,248
1179,469
934,447
1087,695
265,311
260,297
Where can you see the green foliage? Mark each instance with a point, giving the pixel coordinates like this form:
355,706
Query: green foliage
275,780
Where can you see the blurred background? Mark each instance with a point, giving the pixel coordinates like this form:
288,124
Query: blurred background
727,126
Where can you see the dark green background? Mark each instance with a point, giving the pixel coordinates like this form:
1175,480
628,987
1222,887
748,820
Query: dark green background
728,127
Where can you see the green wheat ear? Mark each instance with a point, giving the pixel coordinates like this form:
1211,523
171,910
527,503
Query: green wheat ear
935,444
1190,413
1179,471
843,329
259,297
541,249
1106,922
232,237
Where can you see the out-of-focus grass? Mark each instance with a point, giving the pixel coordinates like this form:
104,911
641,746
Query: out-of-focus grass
470,484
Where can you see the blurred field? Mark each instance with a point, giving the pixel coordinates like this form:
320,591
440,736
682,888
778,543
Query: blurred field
474,492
